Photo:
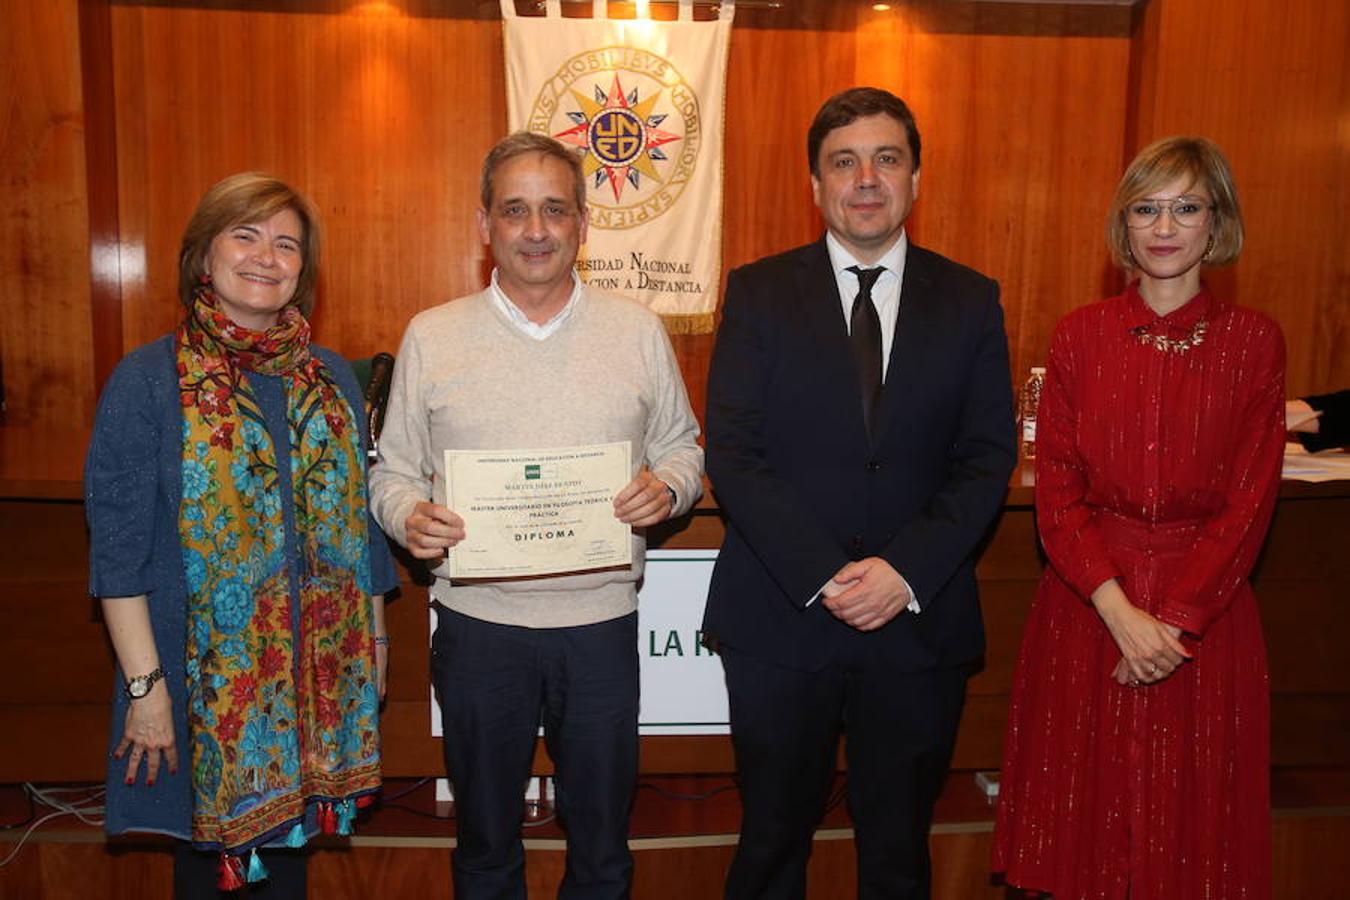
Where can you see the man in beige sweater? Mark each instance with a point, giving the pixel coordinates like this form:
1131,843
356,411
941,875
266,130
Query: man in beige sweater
536,361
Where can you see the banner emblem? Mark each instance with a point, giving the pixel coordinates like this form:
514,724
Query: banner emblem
641,102
637,121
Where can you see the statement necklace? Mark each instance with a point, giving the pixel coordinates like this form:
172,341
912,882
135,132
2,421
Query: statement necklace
1165,344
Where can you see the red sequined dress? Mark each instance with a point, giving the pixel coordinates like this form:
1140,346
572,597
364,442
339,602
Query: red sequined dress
1158,468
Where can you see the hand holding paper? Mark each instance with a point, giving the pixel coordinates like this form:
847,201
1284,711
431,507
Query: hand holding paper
432,529
645,501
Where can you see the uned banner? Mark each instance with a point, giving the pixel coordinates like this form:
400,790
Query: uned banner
642,102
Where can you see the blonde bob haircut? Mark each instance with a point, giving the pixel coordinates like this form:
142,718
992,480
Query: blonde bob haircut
1200,163
241,199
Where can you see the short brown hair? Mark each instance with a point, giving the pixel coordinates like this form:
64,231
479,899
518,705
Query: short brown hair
521,143
1164,161
239,199
858,103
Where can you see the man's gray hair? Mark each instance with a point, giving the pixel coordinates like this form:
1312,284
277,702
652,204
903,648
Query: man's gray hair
521,143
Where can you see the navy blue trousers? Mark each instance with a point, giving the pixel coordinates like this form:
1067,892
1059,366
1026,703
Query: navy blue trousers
496,684
785,727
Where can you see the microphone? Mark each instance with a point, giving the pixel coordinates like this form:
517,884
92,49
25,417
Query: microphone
377,398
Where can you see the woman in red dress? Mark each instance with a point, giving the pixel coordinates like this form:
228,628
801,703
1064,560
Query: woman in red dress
1137,757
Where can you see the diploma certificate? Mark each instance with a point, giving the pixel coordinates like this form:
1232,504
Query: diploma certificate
538,512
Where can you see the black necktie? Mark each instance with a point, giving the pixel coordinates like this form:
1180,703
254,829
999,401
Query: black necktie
864,333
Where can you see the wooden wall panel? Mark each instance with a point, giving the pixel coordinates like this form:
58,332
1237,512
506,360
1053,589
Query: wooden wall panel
381,118
44,246
100,152
776,78
1006,188
1299,583
1022,116
1269,82
84,868
382,111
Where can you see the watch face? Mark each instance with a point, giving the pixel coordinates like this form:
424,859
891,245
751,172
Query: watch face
140,685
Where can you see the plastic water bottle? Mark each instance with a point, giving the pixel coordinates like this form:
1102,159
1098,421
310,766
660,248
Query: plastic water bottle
1028,399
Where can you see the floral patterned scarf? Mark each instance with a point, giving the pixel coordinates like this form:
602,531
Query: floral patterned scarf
282,702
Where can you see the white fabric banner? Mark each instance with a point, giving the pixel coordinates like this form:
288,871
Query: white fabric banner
683,689
643,102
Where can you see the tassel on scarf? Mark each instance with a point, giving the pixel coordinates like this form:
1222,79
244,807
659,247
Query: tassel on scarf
256,870
346,815
230,876
296,838
327,818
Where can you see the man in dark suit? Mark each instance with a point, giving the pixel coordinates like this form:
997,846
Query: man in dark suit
860,439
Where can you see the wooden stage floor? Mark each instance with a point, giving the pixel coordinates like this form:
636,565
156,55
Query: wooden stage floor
683,836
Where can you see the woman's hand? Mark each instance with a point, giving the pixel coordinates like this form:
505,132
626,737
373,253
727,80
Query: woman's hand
148,729
1151,650
148,733
1299,416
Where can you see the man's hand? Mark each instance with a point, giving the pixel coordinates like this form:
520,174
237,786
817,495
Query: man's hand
645,501
866,594
432,529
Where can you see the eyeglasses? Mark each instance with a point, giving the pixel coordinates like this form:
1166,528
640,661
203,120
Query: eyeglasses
1187,212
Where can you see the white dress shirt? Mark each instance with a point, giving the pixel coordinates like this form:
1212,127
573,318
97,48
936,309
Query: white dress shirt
886,300
885,292
522,321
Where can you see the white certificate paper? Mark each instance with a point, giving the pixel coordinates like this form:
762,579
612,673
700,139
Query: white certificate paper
538,512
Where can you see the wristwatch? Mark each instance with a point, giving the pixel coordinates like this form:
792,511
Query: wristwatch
139,686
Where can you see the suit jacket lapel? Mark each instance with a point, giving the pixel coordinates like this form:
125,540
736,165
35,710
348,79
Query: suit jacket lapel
821,316
819,294
914,333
